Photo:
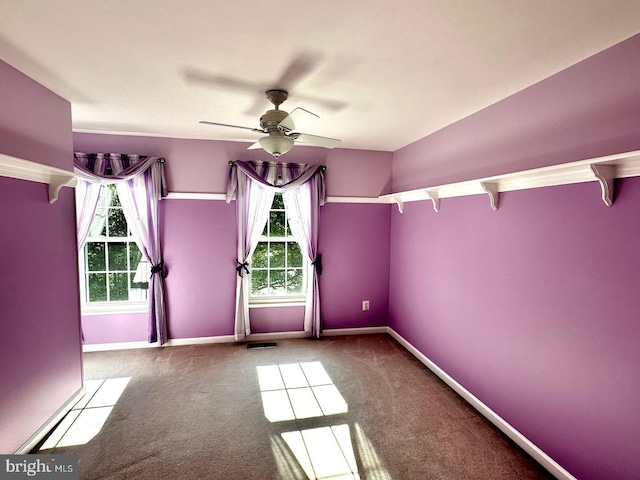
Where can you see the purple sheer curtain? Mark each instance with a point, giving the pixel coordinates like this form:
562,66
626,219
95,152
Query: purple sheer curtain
252,211
87,196
302,205
253,186
140,183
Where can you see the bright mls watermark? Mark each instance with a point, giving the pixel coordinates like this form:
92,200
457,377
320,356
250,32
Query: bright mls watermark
52,467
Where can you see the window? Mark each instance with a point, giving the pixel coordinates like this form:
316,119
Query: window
278,269
114,273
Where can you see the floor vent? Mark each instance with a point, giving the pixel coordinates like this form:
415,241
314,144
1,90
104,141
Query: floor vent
262,345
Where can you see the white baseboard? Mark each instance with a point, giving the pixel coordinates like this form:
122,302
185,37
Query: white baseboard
254,337
177,342
542,458
44,430
334,332
103,347
260,337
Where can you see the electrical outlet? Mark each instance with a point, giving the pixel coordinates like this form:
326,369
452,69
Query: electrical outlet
365,305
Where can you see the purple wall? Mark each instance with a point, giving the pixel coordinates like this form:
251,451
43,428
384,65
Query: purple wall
41,365
199,243
588,110
35,124
354,242
115,328
40,334
534,309
200,166
277,319
199,250
40,350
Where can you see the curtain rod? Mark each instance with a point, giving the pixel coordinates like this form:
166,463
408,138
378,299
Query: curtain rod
162,160
323,167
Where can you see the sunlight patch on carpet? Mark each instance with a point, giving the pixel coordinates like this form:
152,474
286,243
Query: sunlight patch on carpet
89,414
298,390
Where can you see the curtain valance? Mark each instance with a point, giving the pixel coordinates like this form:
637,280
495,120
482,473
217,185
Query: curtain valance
275,176
109,168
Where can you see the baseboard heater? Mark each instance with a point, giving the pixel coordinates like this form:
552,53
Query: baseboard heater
262,345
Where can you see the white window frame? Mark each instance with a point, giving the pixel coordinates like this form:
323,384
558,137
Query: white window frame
266,301
108,307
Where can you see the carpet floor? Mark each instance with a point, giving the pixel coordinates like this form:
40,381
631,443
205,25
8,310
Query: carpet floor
353,407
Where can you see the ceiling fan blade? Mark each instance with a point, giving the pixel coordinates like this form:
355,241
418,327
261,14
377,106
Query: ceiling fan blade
214,80
232,126
254,146
300,67
298,119
325,142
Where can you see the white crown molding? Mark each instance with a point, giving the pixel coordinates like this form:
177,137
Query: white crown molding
56,178
602,169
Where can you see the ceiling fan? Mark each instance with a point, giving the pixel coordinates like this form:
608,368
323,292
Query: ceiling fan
280,127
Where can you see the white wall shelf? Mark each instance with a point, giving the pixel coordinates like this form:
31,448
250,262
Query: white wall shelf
603,170
20,169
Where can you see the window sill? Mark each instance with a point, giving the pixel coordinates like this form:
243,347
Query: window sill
114,308
276,302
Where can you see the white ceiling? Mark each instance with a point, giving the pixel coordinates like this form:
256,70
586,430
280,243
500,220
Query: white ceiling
380,73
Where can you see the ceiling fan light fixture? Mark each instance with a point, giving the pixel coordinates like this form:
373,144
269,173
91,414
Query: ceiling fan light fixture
276,145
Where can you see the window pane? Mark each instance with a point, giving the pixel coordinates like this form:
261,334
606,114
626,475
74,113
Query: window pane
260,257
276,254
294,255
259,282
118,287
115,200
278,203
135,255
294,281
277,282
139,287
277,221
141,273
95,257
117,256
99,225
117,223
97,287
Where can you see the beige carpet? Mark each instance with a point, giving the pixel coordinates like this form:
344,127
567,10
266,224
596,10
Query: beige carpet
197,412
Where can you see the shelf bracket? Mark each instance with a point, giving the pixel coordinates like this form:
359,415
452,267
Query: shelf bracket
605,175
492,191
398,200
433,196
56,183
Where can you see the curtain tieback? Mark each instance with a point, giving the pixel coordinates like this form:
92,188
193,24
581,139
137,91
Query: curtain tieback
242,266
317,263
159,268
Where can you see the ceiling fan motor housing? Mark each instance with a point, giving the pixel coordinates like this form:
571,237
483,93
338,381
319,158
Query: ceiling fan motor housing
270,120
